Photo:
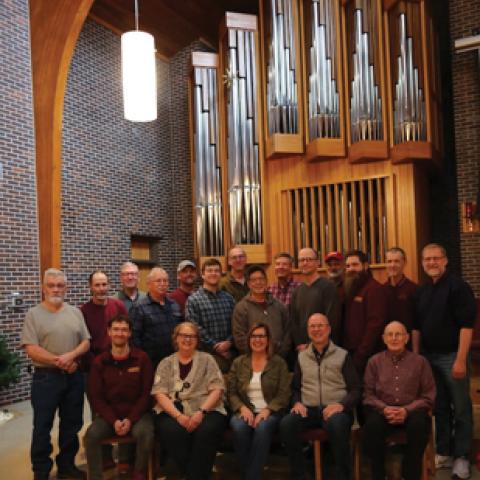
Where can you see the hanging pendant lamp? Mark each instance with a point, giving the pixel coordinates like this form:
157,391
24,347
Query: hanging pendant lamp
139,75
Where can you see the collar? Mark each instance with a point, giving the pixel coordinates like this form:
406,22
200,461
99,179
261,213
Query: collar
394,357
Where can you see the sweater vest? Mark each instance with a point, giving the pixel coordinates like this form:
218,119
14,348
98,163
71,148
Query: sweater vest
322,384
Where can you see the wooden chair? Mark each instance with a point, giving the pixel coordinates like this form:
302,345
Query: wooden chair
399,437
316,436
130,440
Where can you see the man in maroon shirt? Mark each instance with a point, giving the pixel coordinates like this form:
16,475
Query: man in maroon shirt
119,387
399,392
365,310
186,276
97,312
401,290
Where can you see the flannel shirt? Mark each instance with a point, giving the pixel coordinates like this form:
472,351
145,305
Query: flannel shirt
212,312
284,293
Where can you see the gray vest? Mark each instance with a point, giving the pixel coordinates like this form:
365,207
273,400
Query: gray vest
322,384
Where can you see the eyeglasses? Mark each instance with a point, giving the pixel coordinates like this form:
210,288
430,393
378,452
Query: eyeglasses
306,259
319,326
187,336
432,259
394,334
238,257
257,279
129,274
258,337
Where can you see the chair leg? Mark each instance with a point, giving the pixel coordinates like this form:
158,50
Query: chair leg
317,452
356,457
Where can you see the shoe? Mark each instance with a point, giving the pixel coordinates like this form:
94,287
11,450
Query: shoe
461,468
72,472
443,461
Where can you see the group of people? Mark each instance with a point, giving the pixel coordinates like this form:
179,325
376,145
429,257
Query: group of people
262,358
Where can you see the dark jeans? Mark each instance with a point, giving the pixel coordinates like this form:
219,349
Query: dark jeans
52,390
375,431
252,445
453,408
338,427
142,431
194,453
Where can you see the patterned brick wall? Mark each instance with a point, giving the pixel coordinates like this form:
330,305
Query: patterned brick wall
464,19
120,178
19,262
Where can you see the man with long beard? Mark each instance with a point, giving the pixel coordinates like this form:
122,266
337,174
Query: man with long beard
365,310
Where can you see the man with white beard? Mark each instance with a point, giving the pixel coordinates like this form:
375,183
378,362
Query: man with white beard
54,336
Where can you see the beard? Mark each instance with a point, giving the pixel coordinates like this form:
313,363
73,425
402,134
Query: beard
352,283
58,300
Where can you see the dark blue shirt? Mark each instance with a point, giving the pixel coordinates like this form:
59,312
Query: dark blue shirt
153,325
441,310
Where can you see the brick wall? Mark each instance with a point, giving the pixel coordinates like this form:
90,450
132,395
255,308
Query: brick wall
464,18
122,178
19,262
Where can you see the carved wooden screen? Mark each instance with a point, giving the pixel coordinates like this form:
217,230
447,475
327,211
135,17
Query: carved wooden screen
338,216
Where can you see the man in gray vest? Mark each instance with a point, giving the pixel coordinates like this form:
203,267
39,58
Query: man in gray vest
326,388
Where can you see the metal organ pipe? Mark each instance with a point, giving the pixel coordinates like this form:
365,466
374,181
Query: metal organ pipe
243,187
409,104
208,196
365,101
323,100
282,95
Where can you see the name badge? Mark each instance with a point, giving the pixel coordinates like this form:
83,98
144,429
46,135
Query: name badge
133,369
358,299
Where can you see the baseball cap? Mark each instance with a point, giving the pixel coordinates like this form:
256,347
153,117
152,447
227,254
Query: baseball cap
184,264
334,256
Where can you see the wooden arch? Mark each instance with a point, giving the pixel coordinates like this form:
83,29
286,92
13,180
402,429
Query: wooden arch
54,29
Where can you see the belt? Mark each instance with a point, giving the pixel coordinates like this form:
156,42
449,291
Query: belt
50,370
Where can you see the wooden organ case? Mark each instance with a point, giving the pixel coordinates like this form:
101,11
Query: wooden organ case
316,125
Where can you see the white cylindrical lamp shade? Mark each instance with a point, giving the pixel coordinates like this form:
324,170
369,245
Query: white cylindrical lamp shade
139,76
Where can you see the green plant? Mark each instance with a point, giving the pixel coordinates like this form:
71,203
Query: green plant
9,365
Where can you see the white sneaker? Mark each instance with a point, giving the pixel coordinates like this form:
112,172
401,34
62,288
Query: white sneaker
461,468
443,461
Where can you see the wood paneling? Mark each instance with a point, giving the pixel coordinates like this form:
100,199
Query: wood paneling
55,27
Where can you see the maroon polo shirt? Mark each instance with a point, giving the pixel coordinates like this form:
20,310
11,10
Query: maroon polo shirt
401,306
180,296
96,318
120,388
365,319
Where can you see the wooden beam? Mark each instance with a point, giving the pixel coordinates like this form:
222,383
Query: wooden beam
54,28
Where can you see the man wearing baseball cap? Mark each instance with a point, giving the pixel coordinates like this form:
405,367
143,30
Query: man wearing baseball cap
186,276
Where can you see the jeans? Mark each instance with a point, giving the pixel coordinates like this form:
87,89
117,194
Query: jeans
142,431
338,428
453,407
375,431
52,390
194,453
252,445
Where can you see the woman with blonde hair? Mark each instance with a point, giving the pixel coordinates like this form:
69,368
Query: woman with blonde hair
188,388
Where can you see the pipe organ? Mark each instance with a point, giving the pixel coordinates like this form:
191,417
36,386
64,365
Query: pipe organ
310,127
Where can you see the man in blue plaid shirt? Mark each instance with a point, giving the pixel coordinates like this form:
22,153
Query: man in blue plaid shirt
211,309
155,317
